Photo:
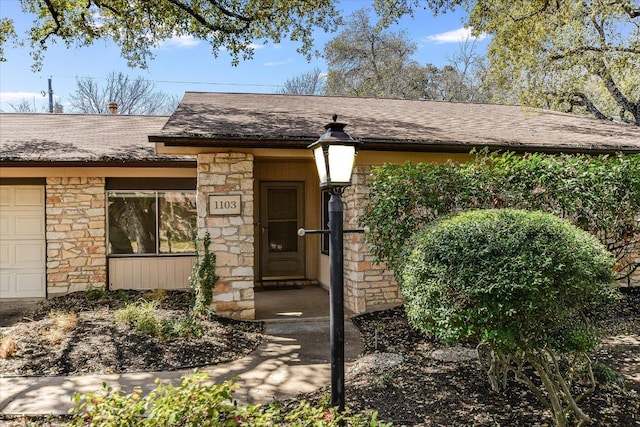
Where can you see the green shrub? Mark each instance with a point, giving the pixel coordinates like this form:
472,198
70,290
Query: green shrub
183,327
203,278
195,403
606,375
122,295
142,315
96,293
599,194
526,286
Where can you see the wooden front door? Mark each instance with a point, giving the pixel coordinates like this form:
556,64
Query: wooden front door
281,215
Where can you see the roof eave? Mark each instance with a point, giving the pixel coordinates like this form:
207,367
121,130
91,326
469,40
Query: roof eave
97,163
415,146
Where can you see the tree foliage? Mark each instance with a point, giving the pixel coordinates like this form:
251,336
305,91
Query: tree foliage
137,26
526,286
567,55
365,60
133,96
311,83
463,79
600,194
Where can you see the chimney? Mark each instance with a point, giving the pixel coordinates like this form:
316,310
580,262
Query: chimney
113,108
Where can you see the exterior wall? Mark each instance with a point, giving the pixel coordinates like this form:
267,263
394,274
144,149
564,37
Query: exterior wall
97,172
76,237
368,286
158,272
232,237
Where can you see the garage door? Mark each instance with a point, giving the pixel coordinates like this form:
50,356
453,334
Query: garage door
22,242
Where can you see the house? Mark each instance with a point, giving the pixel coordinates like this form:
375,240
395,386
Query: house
243,159
60,176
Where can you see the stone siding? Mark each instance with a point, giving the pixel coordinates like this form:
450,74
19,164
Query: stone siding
232,237
368,286
76,245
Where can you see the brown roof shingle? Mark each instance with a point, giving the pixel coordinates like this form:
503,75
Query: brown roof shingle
86,138
292,121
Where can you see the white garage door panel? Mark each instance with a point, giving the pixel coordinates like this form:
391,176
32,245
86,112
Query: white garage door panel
7,195
28,196
5,283
22,242
29,255
30,285
6,259
29,225
5,225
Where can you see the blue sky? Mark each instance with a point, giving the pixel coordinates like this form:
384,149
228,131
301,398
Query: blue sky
186,64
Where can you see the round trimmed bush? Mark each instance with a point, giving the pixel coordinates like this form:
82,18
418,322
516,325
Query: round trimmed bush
517,280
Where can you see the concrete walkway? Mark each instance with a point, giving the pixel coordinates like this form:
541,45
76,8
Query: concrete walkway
294,358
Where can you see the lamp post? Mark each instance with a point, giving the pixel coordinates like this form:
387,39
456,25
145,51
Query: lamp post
335,154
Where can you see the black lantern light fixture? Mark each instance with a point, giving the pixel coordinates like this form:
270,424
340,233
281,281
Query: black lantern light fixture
335,154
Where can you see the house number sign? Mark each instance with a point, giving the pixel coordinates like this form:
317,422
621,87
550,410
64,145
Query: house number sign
224,205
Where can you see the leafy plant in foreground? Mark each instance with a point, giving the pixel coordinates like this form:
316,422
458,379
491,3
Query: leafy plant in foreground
526,286
196,402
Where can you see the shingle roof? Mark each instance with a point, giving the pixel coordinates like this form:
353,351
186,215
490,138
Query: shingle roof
52,138
292,121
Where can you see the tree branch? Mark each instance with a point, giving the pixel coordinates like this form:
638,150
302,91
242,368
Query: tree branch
56,18
529,15
633,13
579,99
229,13
201,19
583,49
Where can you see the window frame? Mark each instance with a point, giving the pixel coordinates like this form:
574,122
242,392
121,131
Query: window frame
156,193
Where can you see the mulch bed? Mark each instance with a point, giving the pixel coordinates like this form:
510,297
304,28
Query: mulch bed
426,391
99,344
421,390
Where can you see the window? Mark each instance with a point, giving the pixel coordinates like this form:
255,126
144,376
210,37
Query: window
324,221
151,222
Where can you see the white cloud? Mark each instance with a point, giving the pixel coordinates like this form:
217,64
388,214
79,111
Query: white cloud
185,41
278,63
455,36
19,96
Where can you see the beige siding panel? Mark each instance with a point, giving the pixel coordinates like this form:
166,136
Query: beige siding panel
22,242
150,272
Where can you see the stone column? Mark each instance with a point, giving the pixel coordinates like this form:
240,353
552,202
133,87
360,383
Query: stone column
368,286
76,238
232,237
